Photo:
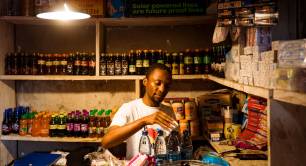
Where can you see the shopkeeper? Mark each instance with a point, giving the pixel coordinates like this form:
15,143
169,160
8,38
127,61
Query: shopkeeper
148,111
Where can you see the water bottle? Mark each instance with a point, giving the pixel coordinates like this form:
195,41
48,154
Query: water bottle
144,143
186,146
160,148
173,147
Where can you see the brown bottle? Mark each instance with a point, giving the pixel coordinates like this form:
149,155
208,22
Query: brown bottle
8,63
33,66
197,62
63,64
55,65
117,62
188,62
41,64
92,64
84,64
49,64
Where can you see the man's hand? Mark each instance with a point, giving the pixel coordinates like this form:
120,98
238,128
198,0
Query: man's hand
161,118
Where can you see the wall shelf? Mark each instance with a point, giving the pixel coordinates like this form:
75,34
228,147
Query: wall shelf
49,139
138,21
290,97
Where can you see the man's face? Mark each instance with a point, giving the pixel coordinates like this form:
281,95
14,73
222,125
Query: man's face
157,85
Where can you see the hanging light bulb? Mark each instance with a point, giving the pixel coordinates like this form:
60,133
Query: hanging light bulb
65,14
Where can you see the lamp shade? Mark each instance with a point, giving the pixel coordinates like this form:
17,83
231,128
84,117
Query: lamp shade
62,11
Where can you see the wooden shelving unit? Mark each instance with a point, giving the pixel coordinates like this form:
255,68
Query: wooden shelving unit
290,97
49,139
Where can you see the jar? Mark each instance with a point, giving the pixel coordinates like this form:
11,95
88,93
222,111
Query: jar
190,109
178,108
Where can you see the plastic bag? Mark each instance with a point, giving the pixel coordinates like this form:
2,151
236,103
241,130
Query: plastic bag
220,34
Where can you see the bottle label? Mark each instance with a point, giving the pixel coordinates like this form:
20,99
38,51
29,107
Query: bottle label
5,128
103,69
77,63
15,127
160,61
84,63
146,63
84,127
175,68
99,130
55,63
182,70
144,146
53,127
69,68
30,128
188,60
61,127
49,63
206,60
132,68
92,130
69,126
41,62
77,127
160,147
92,63
139,63
110,69
196,60
63,63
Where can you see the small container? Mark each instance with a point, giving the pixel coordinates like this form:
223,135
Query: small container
178,108
184,125
190,109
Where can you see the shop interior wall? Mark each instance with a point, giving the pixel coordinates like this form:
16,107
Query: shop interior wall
70,95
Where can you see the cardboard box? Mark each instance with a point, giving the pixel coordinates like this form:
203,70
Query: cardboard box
96,8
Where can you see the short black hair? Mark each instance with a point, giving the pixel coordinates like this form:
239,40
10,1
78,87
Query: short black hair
158,66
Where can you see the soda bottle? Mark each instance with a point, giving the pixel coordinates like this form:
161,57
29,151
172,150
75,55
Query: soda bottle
99,121
197,62
146,61
160,56
33,64
53,126
144,143
186,146
175,64
23,125
77,124
92,64
30,122
6,124
173,147
92,123
41,64
132,63
153,58
188,62
84,64
16,119
181,64
77,64
61,126
44,130
49,64
84,124
69,124
103,64
160,148
63,64
168,61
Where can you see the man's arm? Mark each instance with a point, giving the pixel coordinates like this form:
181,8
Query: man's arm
117,134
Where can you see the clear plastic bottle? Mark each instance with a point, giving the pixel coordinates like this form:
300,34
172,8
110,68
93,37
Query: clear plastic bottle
173,147
160,148
186,146
144,143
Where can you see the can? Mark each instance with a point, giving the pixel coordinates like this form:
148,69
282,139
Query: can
178,108
236,130
190,109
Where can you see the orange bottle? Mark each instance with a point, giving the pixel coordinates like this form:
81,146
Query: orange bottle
36,126
44,131
23,129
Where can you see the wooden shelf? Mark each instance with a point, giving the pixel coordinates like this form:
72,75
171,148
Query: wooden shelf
139,21
257,91
49,139
290,97
189,77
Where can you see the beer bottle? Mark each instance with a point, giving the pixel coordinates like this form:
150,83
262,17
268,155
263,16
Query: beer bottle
160,56
206,61
197,62
21,63
26,64
70,64
103,64
49,64
117,63
14,70
125,64
153,58
41,64
110,65
56,64
92,64
61,127
92,123
188,62
77,124
84,124
8,63
33,66
139,62
181,63
77,64
69,124
146,61
175,64
168,61
84,64
132,63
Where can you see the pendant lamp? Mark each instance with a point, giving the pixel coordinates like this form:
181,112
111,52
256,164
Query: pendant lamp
63,13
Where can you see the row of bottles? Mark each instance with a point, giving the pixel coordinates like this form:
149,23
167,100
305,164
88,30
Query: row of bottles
219,52
22,63
74,124
138,61
175,148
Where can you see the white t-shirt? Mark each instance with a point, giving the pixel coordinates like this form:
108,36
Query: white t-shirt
132,111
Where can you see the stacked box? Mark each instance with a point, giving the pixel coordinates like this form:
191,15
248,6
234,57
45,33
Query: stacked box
292,53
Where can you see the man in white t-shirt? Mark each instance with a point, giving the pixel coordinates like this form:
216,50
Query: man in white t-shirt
148,111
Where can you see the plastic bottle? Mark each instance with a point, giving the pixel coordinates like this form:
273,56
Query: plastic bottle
186,146
44,131
6,124
84,124
107,120
99,126
53,127
173,147
69,124
23,129
77,124
30,122
92,123
160,148
144,143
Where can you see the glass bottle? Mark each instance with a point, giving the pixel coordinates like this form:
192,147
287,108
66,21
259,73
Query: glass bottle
34,65
84,124
56,64
84,64
69,124
160,56
186,146
168,61
6,123
139,62
103,64
41,64
181,64
49,64
175,64
146,61
70,64
110,65
92,64
197,62
188,62
53,126
117,62
206,61
132,63
125,64
77,64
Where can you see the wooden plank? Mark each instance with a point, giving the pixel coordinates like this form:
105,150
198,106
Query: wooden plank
269,130
189,77
290,97
59,77
98,42
49,139
138,88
